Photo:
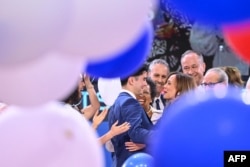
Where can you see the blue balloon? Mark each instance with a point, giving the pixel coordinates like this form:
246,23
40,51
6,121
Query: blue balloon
214,11
139,160
197,134
126,62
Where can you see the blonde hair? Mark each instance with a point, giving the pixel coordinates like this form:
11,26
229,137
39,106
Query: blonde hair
234,76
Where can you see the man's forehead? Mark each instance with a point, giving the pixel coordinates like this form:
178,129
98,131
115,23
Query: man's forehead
158,67
190,61
189,58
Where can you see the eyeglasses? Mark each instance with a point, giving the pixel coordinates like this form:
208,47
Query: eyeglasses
210,84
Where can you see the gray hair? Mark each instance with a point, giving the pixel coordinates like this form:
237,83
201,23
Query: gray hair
200,56
158,61
222,74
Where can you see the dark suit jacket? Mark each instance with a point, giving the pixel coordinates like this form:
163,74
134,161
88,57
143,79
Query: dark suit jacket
128,109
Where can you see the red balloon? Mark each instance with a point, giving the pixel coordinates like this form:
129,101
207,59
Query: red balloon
238,38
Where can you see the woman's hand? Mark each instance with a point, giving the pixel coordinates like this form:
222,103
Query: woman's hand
87,81
98,118
116,130
131,146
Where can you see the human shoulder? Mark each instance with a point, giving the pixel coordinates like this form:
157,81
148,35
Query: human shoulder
123,100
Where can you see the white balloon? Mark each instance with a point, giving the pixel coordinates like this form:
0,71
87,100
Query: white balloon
50,77
100,28
109,89
47,136
28,28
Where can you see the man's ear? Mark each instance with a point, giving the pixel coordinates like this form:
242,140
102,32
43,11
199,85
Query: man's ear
131,80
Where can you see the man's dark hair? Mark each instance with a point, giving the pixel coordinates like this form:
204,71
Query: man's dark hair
139,72
152,88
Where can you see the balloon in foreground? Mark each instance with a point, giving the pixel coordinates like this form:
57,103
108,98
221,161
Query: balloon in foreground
50,136
101,28
213,11
30,28
198,134
126,61
139,160
51,77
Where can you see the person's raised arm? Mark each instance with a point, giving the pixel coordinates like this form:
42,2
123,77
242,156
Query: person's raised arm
90,110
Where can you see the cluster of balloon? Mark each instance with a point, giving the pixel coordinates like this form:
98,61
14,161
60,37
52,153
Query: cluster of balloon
197,133
83,32
44,46
139,160
49,135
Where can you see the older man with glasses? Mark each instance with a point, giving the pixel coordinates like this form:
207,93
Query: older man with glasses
215,77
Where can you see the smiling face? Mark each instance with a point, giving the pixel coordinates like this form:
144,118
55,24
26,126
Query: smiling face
145,98
158,74
170,88
193,66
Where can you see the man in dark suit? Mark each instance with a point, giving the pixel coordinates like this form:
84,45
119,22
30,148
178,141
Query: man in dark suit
127,109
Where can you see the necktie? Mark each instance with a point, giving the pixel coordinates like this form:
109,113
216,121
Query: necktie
157,101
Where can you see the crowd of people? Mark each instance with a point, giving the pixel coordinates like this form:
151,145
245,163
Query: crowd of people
176,66
147,94
145,97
